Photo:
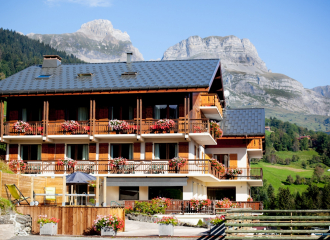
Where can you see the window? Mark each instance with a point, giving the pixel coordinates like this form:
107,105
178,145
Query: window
128,193
129,74
30,152
85,74
121,150
166,111
222,158
168,192
165,150
82,114
77,151
217,193
43,76
121,112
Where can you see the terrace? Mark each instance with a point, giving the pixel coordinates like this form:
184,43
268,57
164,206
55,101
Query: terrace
200,169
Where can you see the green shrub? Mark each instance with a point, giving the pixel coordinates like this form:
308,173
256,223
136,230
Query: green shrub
152,208
4,167
6,205
200,223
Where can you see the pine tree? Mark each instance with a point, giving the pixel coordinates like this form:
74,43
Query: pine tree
285,199
326,197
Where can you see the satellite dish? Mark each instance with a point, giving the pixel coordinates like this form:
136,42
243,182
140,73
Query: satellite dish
227,93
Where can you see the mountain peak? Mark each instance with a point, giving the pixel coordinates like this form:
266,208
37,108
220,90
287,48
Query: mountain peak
101,28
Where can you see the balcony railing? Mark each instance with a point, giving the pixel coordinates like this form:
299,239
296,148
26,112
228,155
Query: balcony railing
103,127
55,128
139,167
184,206
35,128
209,99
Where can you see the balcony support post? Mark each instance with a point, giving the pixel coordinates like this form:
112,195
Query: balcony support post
97,194
64,190
1,120
188,110
140,115
90,117
185,114
94,110
104,192
47,119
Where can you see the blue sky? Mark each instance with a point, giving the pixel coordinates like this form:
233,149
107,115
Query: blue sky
292,37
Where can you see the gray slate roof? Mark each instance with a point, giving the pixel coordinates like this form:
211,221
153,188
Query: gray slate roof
107,76
245,121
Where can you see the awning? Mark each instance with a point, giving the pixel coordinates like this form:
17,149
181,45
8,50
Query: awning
152,182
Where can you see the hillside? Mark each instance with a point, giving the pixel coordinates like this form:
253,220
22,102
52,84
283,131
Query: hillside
18,52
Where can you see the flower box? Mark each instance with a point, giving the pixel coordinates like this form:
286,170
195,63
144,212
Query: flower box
108,231
217,230
166,229
48,229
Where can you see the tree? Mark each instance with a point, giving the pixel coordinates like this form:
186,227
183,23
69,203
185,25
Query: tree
285,199
289,180
326,197
317,174
303,164
299,201
295,158
2,76
313,197
271,197
287,161
298,180
304,144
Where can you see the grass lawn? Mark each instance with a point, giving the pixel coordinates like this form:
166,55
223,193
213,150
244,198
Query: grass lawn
267,132
276,174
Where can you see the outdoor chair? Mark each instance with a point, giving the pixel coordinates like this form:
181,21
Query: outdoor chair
13,191
50,198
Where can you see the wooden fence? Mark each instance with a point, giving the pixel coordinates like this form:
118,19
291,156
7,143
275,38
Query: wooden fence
277,224
73,220
27,184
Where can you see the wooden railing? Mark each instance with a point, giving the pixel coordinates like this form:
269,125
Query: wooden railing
35,128
103,127
184,206
139,167
55,128
211,99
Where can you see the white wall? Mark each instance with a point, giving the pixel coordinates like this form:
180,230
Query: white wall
241,154
194,189
143,193
242,189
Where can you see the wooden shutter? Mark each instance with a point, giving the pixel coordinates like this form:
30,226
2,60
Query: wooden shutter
148,154
149,112
137,151
103,151
13,151
102,112
44,152
13,115
92,151
184,149
184,152
233,160
208,155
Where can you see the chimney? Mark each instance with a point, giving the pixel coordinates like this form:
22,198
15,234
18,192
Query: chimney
51,61
129,56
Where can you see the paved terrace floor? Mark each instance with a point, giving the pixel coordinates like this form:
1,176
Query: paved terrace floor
140,230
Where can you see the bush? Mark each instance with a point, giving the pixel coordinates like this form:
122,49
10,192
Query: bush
289,180
6,205
295,158
287,161
303,164
157,205
298,180
4,167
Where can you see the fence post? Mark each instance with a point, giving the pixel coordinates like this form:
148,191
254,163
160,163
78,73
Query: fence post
97,201
64,190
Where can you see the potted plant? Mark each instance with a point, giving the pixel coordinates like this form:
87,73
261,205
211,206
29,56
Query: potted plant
233,172
177,163
218,166
164,125
108,225
250,199
166,225
67,162
215,127
217,226
226,203
118,126
70,126
198,205
17,165
22,127
117,163
48,226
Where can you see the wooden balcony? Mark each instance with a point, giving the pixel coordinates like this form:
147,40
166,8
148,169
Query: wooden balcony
210,106
35,128
184,206
194,168
55,128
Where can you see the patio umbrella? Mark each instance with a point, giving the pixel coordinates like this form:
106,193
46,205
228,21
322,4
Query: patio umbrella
79,178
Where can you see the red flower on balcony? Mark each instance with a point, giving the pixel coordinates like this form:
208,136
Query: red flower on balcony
70,126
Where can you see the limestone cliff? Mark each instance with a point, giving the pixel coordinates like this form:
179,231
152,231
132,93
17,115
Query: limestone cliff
95,41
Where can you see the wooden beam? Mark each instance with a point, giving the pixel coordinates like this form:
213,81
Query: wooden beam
94,112
90,117
31,190
47,118
141,115
64,190
1,119
44,119
104,192
97,194
138,114
185,113
110,92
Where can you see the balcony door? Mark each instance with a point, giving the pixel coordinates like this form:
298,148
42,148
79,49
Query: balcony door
165,150
222,158
218,193
121,150
166,111
77,151
30,152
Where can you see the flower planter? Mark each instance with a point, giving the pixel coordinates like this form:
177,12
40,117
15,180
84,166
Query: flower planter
166,229
108,231
48,229
217,230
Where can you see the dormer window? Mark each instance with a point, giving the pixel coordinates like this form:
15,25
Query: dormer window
43,76
85,74
129,74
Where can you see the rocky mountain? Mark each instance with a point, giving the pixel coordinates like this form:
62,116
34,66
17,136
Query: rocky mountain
323,90
247,78
95,41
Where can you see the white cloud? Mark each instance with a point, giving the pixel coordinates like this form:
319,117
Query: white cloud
90,3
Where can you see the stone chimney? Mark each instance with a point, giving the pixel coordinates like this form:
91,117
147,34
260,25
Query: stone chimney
51,61
129,57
